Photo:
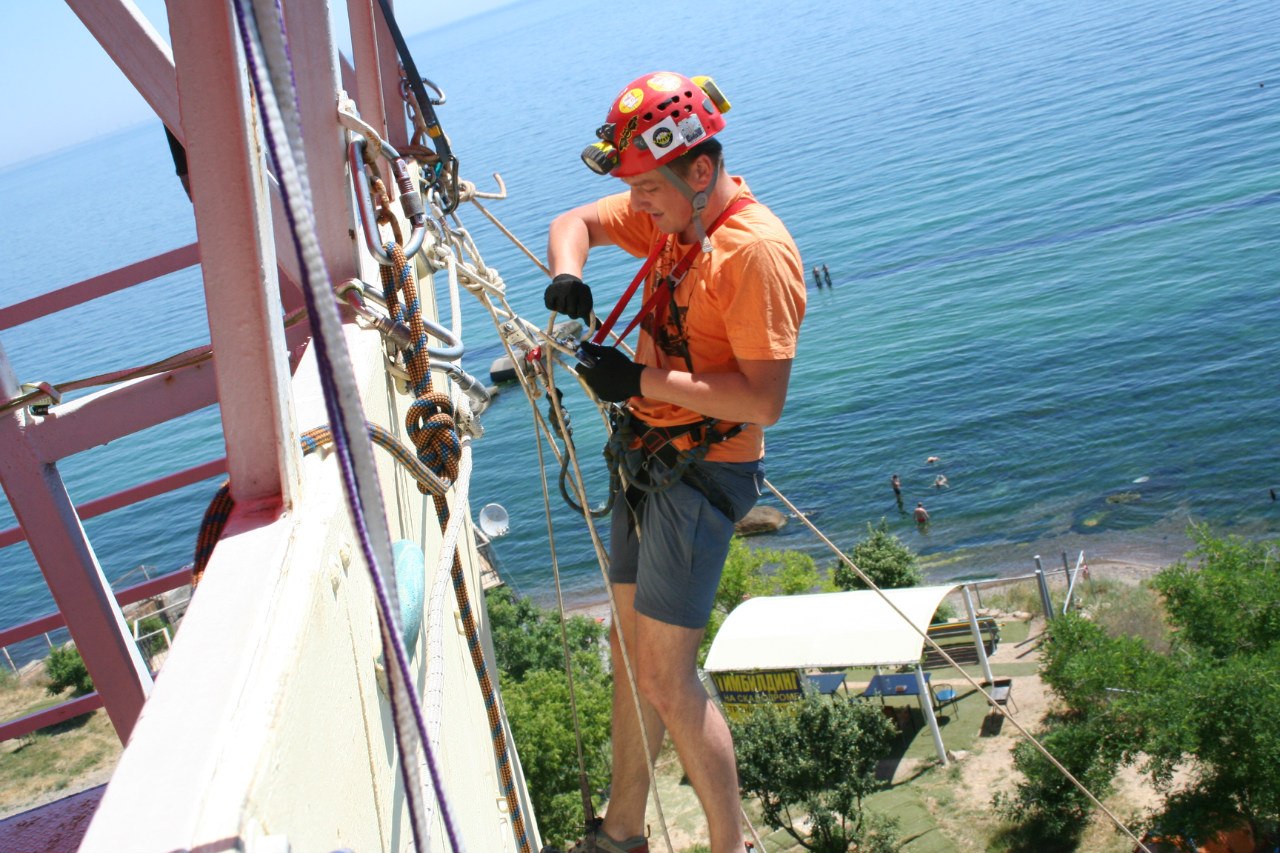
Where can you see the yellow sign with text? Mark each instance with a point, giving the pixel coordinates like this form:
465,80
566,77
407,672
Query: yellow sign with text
741,691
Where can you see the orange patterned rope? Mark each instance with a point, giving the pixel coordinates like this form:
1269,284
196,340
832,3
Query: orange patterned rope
430,426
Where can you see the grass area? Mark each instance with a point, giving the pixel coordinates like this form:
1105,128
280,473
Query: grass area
66,757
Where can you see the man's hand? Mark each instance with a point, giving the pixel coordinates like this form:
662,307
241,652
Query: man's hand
569,295
613,377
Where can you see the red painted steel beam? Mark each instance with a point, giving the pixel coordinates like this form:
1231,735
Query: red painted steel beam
127,596
49,716
99,285
132,495
230,195
121,410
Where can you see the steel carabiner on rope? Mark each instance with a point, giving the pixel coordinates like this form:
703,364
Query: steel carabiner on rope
410,199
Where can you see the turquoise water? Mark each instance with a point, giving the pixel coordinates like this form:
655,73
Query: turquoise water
1049,227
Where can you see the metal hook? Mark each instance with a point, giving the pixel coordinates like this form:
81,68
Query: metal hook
410,200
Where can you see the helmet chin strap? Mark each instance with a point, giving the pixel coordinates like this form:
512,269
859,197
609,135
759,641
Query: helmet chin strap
697,199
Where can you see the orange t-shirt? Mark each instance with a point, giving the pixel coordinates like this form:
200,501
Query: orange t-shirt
743,300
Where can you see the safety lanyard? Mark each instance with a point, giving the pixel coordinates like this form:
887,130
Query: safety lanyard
664,289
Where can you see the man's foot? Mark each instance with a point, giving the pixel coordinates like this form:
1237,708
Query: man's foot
595,841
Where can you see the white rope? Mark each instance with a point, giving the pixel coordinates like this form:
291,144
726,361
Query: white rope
433,694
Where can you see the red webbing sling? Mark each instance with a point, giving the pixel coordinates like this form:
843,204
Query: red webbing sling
665,289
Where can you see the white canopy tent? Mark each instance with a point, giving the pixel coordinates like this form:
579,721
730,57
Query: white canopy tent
826,630
835,630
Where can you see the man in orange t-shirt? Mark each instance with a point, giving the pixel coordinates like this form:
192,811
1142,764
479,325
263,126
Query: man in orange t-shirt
712,366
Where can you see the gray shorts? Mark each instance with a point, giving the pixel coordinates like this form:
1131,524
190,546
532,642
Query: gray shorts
676,561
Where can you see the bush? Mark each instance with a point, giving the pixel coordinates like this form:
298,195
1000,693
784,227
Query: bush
1049,811
1210,699
65,668
535,689
883,558
816,757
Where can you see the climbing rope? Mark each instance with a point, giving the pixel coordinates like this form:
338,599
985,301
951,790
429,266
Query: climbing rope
487,286
271,69
429,423
444,174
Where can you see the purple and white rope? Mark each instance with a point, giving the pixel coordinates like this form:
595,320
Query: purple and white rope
266,52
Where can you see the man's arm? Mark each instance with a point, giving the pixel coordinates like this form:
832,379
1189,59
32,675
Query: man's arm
756,393
572,235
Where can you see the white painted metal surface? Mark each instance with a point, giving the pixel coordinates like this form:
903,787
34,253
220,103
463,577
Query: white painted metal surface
270,725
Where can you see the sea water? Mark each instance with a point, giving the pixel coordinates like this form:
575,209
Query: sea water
1050,230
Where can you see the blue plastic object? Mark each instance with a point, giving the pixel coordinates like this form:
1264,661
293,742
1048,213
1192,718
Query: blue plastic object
410,585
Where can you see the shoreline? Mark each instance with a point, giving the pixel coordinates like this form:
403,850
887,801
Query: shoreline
1125,570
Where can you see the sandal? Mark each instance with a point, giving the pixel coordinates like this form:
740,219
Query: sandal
595,841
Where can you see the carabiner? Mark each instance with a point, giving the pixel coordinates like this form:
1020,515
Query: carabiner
410,200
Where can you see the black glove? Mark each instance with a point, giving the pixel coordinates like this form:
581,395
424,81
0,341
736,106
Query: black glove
613,376
568,295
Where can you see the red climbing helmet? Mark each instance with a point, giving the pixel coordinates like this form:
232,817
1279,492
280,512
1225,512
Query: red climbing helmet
655,119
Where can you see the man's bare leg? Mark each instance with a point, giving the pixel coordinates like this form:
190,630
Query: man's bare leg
629,791
668,677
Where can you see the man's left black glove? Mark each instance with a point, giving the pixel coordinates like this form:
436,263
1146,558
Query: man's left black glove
613,376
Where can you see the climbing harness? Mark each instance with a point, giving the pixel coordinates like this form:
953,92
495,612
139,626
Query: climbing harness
653,463
648,455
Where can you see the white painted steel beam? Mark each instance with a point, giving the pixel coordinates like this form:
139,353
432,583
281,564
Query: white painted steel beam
230,196
926,707
977,634
80,589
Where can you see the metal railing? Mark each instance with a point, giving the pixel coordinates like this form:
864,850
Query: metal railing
48,623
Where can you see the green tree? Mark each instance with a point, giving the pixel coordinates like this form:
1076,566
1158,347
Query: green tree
541,723
535,690
816,758
65,668
1208,704
882,557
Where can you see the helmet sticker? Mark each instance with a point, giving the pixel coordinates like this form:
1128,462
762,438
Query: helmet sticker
631,100
664,82
691,129
627,132
662,136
